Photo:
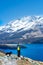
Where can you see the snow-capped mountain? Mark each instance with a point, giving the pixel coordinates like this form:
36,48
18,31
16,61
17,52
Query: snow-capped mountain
23,29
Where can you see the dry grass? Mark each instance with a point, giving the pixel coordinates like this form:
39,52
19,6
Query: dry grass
2,54
23,62
0,62
41,63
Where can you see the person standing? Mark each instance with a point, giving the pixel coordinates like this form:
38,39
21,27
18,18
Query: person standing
18,50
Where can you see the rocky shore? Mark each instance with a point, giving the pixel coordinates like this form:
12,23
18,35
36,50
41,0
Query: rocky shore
14,60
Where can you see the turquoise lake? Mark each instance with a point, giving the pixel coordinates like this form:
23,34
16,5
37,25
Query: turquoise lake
33,51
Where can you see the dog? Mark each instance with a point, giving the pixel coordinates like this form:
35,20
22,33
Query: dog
8,53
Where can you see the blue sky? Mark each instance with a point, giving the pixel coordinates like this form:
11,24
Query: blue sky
14,9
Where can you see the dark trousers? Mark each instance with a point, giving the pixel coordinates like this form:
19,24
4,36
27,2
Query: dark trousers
18,53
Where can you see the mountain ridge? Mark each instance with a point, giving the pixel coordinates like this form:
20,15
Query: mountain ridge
23,29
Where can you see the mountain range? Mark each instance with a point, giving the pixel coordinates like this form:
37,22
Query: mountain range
28,29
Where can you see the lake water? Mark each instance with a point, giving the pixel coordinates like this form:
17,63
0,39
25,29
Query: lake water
33,51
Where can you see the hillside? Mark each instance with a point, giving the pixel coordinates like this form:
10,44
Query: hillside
14,60
25,30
